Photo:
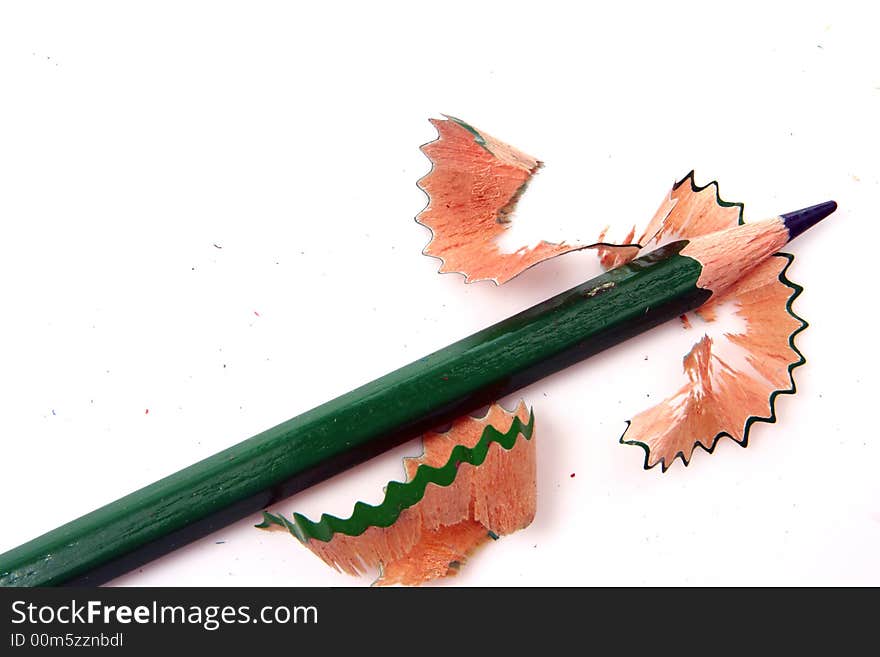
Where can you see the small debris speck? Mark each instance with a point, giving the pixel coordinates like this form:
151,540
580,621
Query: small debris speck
147,411
572,475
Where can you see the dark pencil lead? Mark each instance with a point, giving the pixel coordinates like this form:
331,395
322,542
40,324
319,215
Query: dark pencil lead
800,220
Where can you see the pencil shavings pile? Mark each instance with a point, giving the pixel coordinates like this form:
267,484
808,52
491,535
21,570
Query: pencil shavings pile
473,483
732,380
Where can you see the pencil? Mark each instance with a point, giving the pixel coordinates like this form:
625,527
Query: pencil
427,393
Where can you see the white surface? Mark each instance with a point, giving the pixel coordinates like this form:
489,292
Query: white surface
134,141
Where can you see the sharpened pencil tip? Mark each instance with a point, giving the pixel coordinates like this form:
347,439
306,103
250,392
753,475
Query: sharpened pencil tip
798,221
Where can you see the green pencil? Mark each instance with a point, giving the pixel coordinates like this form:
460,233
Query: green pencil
432,391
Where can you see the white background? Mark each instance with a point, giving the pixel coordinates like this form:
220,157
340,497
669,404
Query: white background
169,170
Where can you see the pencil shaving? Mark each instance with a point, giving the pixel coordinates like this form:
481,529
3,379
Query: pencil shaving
687,212
471,484
473,187
723,396
719,399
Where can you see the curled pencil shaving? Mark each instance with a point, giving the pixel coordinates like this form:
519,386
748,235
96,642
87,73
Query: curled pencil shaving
473,187
476,181
721,398
688,211
472,483
724,394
